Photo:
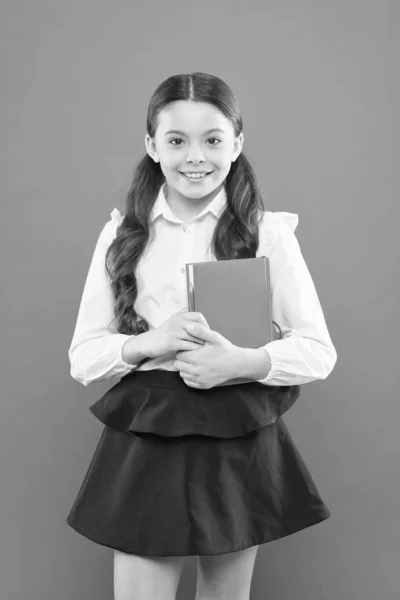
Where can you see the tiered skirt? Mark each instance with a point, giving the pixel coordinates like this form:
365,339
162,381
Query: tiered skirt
181,471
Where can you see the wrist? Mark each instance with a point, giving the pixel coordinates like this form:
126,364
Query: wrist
252,363
133,351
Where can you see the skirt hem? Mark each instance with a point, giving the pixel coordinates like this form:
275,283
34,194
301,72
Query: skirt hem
288,530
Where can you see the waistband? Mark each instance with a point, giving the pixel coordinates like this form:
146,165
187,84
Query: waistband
164,378
157,378
159,401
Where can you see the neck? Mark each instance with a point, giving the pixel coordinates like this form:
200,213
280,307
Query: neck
187,208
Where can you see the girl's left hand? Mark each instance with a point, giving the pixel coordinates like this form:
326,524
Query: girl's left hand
212,363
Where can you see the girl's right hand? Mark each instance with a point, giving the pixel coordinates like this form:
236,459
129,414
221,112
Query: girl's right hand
171,336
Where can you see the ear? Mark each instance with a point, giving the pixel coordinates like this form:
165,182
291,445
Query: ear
238,145
151,148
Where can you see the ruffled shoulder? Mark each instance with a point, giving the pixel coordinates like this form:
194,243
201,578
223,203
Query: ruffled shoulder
273,218
270,225
116,217
109,230
111,226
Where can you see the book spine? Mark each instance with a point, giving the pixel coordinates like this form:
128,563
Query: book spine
268,286
190,287
275,335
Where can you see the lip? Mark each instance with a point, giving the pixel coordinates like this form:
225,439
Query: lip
195,172
196,180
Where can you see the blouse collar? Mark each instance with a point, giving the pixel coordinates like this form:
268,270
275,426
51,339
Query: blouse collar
161,206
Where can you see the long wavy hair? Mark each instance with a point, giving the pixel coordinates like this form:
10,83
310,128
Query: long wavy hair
236,233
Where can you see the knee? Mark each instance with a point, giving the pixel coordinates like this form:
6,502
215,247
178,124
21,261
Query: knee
223,595
210,591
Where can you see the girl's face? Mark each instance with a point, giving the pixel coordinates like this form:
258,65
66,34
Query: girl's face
194,137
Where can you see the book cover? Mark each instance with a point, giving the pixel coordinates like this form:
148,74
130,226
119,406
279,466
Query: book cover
235,298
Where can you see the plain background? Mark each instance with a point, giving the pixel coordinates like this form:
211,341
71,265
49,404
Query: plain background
317,83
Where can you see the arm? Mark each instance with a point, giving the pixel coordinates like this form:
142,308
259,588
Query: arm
97,351
305,352
252,363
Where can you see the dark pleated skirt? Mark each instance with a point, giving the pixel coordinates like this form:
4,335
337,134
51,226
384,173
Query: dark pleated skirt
180,471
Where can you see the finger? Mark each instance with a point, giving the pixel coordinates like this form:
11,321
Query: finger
184,367
187,336
193,334
196,316
202,332
190,383
185,345
194,340
184,355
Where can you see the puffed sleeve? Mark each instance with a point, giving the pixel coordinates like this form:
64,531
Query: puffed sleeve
95,353
305,351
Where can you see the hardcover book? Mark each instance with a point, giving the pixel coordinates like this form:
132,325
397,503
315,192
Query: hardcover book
235,298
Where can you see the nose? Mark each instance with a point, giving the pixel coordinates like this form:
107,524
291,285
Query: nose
195,156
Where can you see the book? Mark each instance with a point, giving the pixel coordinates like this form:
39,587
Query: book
235,298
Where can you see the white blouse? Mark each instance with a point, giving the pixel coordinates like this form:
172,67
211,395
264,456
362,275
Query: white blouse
303,354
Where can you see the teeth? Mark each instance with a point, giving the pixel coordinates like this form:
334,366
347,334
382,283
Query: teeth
195,175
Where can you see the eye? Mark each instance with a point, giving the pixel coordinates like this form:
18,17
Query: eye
179,139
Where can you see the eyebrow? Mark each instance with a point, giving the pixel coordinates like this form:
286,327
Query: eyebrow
183,133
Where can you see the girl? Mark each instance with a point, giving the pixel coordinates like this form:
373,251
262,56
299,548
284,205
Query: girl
184,467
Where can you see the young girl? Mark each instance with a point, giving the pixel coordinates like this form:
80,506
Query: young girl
184,466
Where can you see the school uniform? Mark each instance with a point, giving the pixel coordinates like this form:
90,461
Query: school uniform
184,471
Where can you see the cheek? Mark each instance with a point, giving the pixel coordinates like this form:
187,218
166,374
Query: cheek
167,161
223,161
173,161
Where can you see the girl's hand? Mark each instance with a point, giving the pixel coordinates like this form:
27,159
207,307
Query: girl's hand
211,364
172,336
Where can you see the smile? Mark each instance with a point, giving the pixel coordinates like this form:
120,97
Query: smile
195,176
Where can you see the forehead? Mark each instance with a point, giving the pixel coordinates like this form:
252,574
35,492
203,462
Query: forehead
192,117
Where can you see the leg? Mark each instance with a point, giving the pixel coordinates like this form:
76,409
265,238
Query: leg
226,576
146,577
